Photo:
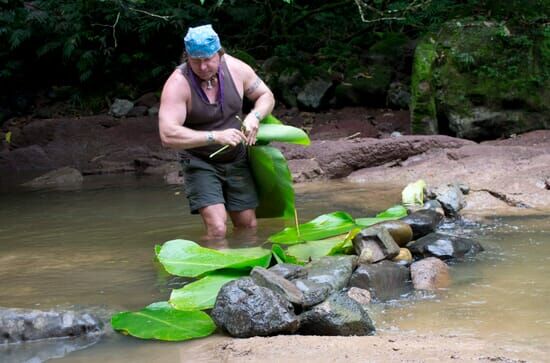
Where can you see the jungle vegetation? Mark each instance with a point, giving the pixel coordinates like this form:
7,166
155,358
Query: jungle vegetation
86,52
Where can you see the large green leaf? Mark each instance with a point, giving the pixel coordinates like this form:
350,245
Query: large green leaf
161,321
273,181
392,213
282,133
313,250
186,258
324,226
270,119
201,294
282,257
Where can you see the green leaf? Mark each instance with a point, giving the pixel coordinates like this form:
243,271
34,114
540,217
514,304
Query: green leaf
273,181
161,321
392,213
186,258
413,194
324,226
282,133
282,257
270,119
201,294
331,246
397,211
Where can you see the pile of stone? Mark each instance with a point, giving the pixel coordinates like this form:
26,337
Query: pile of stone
332,295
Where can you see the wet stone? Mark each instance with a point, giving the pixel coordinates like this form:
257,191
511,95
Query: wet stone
20,325
430,274
332,270
385,280
313,292
423,222
368,238
244,309
274,282
400,231
444,246
288,271
338,315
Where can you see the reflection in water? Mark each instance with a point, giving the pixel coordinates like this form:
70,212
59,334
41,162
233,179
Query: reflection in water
94,247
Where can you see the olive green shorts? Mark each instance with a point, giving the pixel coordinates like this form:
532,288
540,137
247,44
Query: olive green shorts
230,184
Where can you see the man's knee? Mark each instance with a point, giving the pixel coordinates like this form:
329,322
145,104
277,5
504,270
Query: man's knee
216,229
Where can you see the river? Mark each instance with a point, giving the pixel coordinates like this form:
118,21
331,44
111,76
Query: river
92,248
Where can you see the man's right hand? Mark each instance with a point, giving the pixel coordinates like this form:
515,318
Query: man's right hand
231,137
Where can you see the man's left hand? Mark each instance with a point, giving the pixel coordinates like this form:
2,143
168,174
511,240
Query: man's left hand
250,128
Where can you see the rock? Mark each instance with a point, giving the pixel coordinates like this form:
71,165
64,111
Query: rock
404,257
385,280
338,315
288,271
304,170
64,177
430,274
333,270
451,198
313,94
245,309
362,296
444,246
434,205
313,292
21,325
153,111
121,107
423,222
278,284
137,111
398,96
365,243
148,100
400,231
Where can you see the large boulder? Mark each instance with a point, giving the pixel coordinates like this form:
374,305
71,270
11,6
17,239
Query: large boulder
481,80
245,309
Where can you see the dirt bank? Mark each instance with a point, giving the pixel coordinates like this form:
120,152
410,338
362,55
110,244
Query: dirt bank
380,348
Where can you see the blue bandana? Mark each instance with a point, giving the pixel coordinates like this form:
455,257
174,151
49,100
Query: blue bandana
202,42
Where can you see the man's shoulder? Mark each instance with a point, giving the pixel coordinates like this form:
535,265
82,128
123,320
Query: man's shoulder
177,83
237,66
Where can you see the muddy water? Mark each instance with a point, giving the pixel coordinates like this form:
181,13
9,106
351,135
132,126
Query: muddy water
93,247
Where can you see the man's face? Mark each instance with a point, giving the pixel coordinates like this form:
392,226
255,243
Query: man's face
205,68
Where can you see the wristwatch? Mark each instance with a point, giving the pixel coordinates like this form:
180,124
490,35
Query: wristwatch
210,137
257,115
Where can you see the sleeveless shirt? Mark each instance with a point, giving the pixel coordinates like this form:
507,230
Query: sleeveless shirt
206,116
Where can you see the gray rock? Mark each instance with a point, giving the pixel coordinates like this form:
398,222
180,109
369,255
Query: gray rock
366,241
451,198
399,96
338,315
121,107
20,325
385,280
444,246
333,270
278,284
314,93
313,292
63,177
138,111
362,296
423,222
430,274
245,309
288,270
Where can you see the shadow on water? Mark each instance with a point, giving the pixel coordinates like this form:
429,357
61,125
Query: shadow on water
93,246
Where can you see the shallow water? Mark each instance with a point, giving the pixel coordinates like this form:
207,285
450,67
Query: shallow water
93,247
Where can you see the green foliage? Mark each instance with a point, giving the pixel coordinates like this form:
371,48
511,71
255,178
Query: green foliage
188,259
161,321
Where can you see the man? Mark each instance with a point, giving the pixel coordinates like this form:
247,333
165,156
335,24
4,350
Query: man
200,113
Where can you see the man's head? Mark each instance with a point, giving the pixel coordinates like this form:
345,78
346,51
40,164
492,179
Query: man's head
203,49
202,42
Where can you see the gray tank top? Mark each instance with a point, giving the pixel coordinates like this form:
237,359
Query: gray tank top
219,115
